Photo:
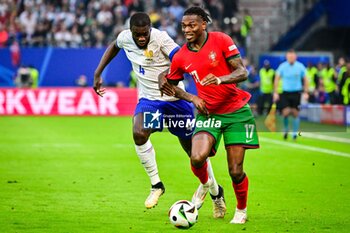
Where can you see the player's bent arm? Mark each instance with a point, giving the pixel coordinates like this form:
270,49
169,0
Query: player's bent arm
162,84
239,74
197,102
107,57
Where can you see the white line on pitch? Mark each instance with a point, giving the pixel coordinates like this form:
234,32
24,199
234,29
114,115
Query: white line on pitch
325,137
304,147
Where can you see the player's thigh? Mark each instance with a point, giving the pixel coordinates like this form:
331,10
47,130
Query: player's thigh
179,117
235,158
240,129
145,107
138,129
206,127
203,145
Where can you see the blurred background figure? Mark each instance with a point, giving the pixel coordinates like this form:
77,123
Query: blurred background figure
345,85
252,85
311,74
23,78
246,27
295,82
4,36
132,79
329,79
34,75
267,76
82,81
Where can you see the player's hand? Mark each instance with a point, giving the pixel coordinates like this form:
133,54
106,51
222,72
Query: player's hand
165,87
276,97
200,105
210,79
98,86
306,96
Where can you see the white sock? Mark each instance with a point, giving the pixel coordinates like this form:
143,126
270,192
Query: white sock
214,188
147,157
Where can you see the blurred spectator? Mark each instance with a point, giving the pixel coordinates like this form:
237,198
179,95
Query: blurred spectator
311,74
133,79
340,69
176,10
345,85
15,53
328,76
23,78
28,20
82,81
169,27
34,75
252,85
267,75
246,27
4,35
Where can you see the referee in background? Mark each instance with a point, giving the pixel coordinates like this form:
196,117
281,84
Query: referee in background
295,82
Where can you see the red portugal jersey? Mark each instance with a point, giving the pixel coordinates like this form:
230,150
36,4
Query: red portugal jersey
211,58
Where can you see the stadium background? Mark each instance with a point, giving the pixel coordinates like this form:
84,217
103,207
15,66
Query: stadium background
79,174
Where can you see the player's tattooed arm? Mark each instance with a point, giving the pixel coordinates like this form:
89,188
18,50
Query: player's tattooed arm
238,75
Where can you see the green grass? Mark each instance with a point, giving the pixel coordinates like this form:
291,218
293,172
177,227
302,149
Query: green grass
71,174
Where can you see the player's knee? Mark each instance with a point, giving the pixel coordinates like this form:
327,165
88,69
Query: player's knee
140,137
198,158
236,173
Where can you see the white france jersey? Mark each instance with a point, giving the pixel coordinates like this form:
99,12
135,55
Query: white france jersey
149,63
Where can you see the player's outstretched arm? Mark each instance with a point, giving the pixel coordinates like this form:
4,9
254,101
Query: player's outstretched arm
107,57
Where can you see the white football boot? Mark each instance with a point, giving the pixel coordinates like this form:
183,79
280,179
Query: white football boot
152,199
240,216
200,194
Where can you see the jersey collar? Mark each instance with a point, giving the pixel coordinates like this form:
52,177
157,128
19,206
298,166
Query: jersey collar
194,50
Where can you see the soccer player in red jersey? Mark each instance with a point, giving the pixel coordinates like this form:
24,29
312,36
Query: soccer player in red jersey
214,62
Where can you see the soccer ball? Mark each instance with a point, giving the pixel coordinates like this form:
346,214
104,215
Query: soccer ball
183,214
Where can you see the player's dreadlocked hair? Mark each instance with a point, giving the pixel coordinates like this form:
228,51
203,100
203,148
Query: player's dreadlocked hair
140,19
195,10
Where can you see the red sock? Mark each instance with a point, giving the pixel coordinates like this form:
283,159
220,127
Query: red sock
241,191
201,172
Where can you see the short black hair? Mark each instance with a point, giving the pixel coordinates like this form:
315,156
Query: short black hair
195,10
140,19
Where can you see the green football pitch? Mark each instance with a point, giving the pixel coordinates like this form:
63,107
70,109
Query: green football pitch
81,174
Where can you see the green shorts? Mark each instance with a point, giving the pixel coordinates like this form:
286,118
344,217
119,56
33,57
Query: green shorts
238,128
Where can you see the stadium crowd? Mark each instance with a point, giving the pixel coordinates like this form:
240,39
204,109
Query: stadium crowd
93,23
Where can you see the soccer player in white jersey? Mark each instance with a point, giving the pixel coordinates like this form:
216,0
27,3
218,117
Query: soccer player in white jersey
150,52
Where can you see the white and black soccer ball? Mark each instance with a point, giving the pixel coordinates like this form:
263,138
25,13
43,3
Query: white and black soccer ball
183,214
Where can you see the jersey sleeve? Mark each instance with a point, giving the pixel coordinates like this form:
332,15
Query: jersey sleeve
120,40
228,47
175,70
279,71
303,71
168,46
